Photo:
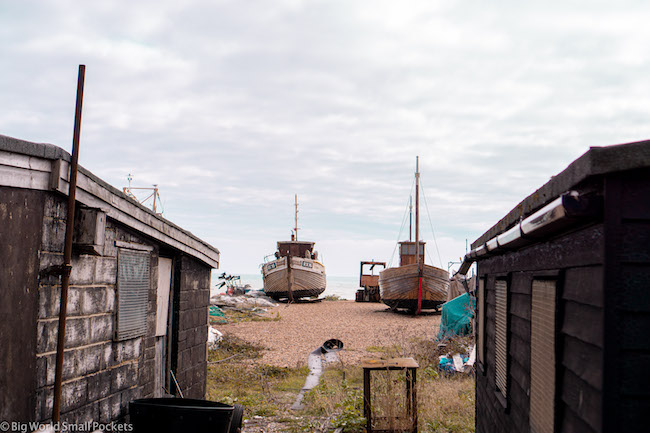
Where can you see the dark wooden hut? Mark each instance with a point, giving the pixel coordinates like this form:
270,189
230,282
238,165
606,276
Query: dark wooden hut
137,311
563,302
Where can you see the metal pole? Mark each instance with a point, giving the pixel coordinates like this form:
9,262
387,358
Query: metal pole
410,218
296,228
417,211
417,232
67,250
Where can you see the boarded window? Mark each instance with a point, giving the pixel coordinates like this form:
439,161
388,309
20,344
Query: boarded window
409,249
132,294
480,318
542,357
162,299
501,337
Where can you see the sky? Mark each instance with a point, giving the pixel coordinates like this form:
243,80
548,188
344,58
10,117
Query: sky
234,107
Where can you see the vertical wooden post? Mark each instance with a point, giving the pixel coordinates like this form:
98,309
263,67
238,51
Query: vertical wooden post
367,411
67,250
411,396
289,276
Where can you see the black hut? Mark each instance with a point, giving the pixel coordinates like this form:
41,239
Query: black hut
563,297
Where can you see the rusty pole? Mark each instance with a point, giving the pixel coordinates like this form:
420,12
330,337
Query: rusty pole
67,250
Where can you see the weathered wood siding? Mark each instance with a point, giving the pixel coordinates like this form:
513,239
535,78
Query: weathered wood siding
575,262
627,293
21,223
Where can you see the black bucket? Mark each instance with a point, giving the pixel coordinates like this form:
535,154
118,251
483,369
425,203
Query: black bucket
332,345
176,415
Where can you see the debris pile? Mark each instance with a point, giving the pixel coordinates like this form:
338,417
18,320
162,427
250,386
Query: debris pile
252,300
252,305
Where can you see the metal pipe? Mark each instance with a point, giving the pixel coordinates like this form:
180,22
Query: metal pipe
67,250
176,383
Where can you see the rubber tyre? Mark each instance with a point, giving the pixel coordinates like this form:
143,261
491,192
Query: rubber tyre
237,418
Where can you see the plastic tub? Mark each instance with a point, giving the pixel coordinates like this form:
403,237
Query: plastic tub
179,415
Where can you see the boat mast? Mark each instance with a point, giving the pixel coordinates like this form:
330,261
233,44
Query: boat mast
296,227
410,218
417,211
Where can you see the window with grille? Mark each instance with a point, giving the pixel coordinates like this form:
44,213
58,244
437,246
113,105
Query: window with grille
542,356
133,283
501,337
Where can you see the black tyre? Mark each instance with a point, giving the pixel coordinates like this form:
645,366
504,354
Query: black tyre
237,418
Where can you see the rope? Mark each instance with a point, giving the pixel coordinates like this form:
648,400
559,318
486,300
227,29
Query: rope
431,225
402,226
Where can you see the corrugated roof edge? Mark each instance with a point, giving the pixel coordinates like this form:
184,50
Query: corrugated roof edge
50,151
596,161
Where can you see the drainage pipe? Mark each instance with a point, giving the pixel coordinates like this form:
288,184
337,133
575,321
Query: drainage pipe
555,216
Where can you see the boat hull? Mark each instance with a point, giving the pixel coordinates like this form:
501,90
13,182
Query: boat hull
399,287
307,276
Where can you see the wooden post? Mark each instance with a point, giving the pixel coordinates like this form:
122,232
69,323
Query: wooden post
367,411
289,276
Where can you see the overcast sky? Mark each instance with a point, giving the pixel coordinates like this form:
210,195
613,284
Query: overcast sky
232,107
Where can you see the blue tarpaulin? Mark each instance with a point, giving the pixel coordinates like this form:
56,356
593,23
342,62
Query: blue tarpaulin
457,316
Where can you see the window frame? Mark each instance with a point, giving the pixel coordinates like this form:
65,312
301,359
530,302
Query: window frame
132,296
481,352
551,276
502,395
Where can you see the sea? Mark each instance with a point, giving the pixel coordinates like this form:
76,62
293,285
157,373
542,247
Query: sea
343,287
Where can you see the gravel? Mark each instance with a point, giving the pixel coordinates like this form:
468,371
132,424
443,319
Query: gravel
304,327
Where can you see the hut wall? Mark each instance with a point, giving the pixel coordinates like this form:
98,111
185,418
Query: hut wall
101,374
189,358
574,261
627,321
21,221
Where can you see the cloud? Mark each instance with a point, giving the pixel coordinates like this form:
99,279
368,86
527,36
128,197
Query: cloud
233,108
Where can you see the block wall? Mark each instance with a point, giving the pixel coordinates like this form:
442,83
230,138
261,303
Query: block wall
192,322
100,376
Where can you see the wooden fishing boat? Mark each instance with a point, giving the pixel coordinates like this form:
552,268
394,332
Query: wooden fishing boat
414,285
296,272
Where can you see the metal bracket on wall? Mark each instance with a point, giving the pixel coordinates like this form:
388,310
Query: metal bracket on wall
55,270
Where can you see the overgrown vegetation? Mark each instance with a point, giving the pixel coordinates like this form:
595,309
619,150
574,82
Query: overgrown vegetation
445,402
234,377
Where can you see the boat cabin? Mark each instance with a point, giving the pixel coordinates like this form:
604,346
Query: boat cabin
296,249
370,279
407,254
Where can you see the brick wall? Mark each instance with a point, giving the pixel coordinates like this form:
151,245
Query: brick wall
100,376
192,324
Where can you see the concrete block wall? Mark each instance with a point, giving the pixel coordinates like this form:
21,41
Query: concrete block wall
100,376
194,300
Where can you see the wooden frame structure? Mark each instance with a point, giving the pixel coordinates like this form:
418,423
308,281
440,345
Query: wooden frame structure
410,366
